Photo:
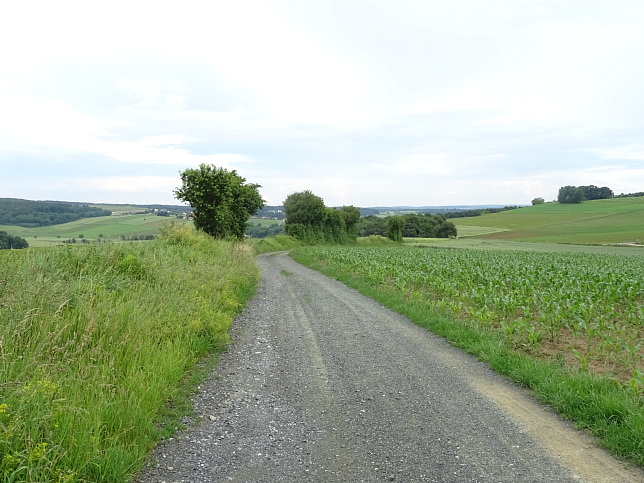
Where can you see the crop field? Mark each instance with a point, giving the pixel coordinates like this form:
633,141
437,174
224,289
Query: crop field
479,243
585,309
618,220
102,227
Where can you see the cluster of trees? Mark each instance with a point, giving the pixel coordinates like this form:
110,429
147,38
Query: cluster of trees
410,226
73,240
30,214
9,241
221,200
577,194
137,237
309,220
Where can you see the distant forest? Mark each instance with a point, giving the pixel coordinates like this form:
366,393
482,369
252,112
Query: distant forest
30,214
630,195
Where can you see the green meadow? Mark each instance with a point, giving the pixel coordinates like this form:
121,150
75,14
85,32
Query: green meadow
614,221
102,227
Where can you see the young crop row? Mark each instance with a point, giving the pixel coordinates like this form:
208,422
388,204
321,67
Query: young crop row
586,308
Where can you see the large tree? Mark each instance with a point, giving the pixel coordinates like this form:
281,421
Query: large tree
447,229
220,199
307,219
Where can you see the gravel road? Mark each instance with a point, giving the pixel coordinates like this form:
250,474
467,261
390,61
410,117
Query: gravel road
323,384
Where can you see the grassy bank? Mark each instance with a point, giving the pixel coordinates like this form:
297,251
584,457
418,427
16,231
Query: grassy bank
481,320
97,341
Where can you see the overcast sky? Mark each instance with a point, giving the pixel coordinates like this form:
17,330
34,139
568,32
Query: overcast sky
363,102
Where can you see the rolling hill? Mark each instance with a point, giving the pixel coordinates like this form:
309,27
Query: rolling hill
612,221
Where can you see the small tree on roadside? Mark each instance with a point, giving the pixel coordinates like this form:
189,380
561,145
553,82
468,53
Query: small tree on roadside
447,229
395,226
305,216
220,199
538,201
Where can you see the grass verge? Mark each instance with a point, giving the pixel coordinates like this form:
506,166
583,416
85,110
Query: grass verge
99,345
594,403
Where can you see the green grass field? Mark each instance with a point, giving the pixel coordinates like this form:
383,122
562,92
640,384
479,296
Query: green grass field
264,222
111,227
619,220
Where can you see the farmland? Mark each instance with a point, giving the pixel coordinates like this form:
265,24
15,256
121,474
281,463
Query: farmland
544,318
102,227
617,220
586,308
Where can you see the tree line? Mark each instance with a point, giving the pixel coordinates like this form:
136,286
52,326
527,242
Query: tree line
577,194
30,214
630,195
408,226
10,242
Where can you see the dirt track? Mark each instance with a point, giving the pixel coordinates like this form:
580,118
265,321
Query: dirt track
323,384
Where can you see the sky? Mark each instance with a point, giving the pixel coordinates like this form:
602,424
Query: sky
363,102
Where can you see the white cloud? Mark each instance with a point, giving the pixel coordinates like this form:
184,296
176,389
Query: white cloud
134,184
414,102
629,151
151,94
32,122
422,165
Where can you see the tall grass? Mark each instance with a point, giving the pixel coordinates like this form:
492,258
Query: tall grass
95,341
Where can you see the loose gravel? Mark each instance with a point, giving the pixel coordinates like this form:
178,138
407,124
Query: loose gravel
322,384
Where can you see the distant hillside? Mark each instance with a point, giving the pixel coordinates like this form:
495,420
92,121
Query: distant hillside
277,212
29,214
119,208
457,211
612,221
